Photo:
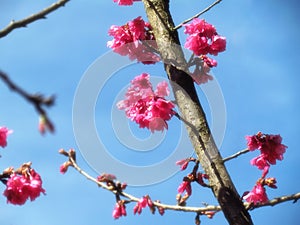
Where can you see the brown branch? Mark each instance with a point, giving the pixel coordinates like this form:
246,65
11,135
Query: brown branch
37,100
135,199
24,22
197,15
216,208
275,201
244,151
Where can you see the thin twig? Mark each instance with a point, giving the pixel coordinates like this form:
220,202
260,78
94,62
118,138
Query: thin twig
216,208
275,201
197,15
24,22
37,100
236,155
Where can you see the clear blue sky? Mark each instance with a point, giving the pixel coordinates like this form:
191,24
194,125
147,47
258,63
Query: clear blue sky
258,75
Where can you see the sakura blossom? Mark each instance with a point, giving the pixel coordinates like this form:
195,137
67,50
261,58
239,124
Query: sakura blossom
142,203
20,188
126,2
269,145
203,38
256,195
4,132
185,186
183,163
119,210
134,39
147,107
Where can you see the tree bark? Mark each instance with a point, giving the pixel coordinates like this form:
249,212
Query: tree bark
192,113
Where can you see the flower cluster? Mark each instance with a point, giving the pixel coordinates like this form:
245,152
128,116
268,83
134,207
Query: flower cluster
203,39
4,132
271,149
146,107
142,203
194,176
258,193
119,210
134,39
126,2
22,184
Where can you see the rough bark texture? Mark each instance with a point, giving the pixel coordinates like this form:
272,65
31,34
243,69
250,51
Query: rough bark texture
192,113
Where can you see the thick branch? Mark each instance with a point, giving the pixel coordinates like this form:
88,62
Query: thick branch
24,22
191,111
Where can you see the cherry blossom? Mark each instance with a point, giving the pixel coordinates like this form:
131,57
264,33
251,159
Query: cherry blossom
134,39
203,38
185,186
126,2
256,195
119,210
269,145
4,132
146,107
183,163
142,203
19,188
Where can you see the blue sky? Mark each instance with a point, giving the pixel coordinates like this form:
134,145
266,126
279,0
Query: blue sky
258,75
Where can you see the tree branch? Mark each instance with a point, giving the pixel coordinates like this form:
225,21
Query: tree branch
215,208
37,100
197,15
244,151
24,22
275,201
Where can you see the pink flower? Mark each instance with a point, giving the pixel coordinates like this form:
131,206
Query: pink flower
269,145
209,61
119,210
183,163
142,203
162,89
261,164
185,186
143,106
199,45
106,177
201,27
130,39
218,44
20,187
257,195
4,132
203,38
64,167
125,2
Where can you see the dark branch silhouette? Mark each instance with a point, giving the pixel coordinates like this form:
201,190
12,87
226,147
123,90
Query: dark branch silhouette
37,100
24,22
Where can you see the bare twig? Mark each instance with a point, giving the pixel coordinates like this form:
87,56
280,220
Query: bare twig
37,100
24,22
197,15
236,155
275,201
215,208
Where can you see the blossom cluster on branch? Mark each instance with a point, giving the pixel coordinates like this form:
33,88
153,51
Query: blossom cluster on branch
145,106
271,149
